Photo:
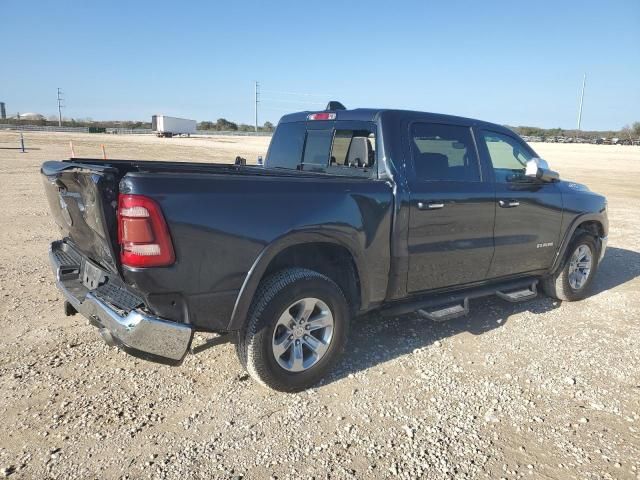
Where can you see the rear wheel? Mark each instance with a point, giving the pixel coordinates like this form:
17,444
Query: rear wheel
572,280
296,331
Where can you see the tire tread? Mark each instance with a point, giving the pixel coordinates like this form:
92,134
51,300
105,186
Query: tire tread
247,349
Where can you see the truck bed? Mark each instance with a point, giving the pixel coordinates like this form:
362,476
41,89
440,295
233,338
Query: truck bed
222,219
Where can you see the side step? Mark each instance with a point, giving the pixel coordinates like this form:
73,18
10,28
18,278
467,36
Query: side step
520,295
444,313
447,305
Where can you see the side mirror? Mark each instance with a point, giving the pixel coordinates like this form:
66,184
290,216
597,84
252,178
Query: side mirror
539,168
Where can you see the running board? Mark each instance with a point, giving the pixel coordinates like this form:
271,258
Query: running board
520,295
446,305
444,313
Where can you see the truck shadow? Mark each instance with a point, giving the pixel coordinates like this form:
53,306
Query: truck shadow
375,339
618,266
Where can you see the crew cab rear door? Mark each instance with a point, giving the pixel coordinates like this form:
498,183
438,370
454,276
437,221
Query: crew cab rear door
528,212
452,207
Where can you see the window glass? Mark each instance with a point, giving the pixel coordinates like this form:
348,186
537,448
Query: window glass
508,156
342,151
285,150
444,153
353,148
316,148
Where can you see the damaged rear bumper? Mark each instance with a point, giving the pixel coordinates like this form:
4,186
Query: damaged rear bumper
131,328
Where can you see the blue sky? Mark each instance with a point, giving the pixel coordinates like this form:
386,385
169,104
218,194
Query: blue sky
517,63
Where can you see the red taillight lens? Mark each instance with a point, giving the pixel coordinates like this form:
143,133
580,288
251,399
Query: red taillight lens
143,234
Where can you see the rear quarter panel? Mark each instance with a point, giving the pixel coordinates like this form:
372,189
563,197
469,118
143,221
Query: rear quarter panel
220,225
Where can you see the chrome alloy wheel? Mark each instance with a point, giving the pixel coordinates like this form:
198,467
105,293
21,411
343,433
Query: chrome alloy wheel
580,266
303,334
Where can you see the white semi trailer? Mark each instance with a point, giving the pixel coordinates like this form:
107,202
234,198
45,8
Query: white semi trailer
165,126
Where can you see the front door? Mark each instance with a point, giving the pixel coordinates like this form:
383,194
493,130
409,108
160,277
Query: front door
528,212
452,208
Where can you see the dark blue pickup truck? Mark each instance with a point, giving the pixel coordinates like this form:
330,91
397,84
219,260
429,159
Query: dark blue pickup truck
353,211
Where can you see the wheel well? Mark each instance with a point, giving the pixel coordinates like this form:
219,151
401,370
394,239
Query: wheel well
592,226
332,260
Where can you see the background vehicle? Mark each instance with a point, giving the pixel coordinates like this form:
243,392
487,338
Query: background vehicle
166,126
354,210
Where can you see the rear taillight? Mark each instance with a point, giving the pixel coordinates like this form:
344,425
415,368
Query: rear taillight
142,233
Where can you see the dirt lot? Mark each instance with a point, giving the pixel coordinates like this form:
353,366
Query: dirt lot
533,390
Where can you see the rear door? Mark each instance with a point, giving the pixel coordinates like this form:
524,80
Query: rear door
452,208
528,212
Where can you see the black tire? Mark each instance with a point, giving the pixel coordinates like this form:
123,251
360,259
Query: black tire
557,285
274,295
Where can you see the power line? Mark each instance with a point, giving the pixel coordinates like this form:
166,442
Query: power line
299,93
60,99
294,102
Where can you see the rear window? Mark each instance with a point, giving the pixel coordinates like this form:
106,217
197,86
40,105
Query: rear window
285,150
316,148
353,148
340,150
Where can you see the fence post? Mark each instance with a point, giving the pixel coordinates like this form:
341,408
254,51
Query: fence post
104,154
22,143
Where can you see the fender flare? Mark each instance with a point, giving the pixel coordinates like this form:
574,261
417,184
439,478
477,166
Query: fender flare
580,219
262,262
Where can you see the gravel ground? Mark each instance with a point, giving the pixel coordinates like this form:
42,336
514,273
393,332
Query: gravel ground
532,390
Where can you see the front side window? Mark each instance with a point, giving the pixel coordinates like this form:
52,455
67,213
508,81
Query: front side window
444,153
508,156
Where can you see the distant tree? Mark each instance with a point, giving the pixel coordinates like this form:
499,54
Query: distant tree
223,124
626,132
636,128
206,125
268,127
243,127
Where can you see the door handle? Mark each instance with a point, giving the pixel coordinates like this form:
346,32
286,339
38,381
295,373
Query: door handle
430,205
508,203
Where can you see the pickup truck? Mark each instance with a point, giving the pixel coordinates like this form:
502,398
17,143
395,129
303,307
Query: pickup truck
353,211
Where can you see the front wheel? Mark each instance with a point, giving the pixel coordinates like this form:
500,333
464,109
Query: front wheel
296,331
572,280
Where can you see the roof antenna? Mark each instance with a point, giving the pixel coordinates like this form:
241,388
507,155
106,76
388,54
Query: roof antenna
334,105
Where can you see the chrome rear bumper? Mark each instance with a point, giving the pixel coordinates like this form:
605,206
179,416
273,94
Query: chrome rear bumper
135,330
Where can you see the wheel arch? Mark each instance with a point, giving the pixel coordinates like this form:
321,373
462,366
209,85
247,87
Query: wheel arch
592,223
328,255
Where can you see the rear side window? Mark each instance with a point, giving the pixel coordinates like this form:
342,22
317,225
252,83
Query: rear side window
285,150
444,153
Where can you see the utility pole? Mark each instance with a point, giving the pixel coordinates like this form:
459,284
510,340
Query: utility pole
257,100
60,107
584,81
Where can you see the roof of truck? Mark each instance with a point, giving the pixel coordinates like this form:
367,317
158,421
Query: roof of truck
372,115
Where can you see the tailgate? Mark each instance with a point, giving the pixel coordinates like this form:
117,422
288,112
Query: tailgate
83,199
